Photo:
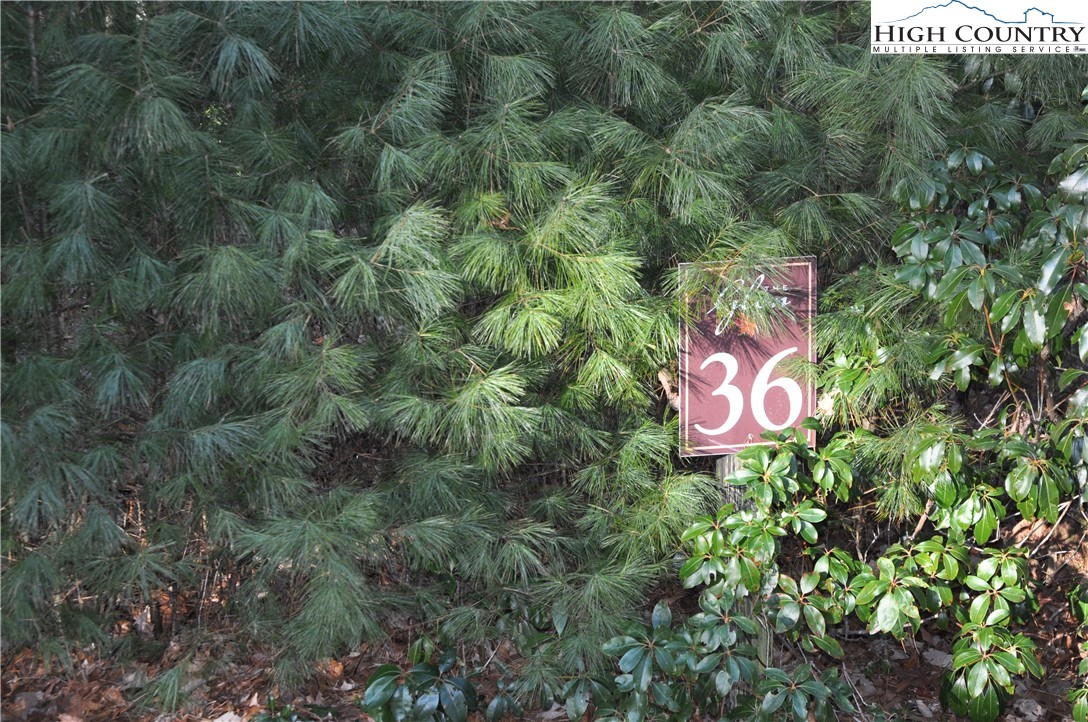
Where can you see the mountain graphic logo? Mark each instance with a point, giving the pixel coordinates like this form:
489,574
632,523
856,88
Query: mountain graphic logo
1031,15
979,26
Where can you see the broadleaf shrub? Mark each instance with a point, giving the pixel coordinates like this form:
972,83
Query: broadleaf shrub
1004,268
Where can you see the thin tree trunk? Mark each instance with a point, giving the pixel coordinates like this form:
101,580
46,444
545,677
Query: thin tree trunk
32,32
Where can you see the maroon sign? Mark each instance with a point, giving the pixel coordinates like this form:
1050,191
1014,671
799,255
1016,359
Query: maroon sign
735,380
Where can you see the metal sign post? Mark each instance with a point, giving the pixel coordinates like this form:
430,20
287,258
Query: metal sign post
734,368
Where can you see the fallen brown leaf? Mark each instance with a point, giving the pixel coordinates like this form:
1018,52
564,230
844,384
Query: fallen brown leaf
113,696
332,668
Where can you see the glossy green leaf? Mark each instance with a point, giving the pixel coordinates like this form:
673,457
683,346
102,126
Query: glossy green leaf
974,161
632,658
976,293
950,283
643,673
708,663
788,615
1020,481
723,683
985,706
400,704
980,607
815,619
1002,305
1052,270
1014,594
986,526
381,685
1010,319
454,705
887,614
1009,662
886,568
499,706
772,701
871,590
1034,323
965,658
830,645
426,704
618,645
749,573
977,678
664,660
661,616
468,689
1080,709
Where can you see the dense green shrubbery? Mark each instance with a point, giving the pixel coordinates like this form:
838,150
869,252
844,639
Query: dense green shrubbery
332,318
1002,262
999,262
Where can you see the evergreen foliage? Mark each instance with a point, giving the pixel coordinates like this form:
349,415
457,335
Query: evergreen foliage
998,260
355,312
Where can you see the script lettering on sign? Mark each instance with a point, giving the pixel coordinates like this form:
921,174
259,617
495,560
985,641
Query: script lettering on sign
735,357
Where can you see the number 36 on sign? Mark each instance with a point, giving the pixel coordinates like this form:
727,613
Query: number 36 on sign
738,351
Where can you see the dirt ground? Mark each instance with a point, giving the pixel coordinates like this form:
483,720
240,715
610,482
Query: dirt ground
890,680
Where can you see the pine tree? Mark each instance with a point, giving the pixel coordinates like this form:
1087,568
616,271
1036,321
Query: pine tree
356,311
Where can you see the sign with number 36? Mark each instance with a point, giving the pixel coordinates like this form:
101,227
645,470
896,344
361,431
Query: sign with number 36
739,354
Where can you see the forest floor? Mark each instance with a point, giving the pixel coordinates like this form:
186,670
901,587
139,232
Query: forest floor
891,681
